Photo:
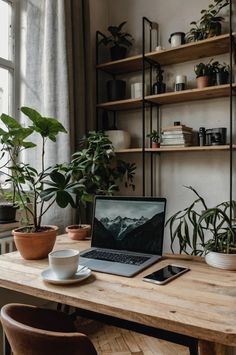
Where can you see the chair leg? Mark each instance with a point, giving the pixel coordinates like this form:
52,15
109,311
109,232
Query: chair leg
6,346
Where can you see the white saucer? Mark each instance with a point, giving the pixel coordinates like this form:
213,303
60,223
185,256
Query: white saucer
49,276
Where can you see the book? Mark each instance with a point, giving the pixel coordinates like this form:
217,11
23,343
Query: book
177,128
175,145
176,133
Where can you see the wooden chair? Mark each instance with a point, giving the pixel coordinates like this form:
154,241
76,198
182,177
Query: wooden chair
36,331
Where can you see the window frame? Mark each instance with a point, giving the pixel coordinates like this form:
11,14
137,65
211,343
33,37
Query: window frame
10,64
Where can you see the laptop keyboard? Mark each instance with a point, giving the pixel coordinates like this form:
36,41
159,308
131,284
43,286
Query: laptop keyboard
116,257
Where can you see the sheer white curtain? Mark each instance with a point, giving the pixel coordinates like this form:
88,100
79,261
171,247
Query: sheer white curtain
45,81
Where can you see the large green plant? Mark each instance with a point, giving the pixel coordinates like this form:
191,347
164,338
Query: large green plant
93,170
210,22
197,227
95,165
25,179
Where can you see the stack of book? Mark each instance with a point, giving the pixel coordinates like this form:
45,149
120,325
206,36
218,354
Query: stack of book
176,136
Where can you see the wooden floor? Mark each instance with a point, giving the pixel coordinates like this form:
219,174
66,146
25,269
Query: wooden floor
109,340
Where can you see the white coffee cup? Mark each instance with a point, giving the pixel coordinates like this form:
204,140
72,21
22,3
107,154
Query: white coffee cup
64,263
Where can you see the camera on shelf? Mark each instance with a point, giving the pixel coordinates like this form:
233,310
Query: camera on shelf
213,136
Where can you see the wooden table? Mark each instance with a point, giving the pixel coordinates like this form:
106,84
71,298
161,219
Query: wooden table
199,304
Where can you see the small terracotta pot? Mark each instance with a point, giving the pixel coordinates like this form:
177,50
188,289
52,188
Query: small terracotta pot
35,245
79,231
155,145
202,82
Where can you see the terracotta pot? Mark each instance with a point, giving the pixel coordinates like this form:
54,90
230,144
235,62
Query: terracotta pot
202,81
79,232
35,245
155,145
221,260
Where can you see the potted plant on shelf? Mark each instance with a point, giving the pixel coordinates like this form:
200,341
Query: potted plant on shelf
35,240
205,73
192,227
97,171
118,41
155,139
209,24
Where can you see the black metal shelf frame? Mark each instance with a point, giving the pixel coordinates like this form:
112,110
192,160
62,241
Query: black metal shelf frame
148,64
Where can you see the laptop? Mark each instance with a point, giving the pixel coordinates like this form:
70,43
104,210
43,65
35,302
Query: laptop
127,234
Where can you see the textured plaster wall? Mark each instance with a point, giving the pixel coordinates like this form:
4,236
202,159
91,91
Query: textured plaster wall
208,172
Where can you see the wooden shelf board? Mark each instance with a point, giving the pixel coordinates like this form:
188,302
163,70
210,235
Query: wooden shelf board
186,52
173,97
121,104
126,65
178,149
191,51
209,92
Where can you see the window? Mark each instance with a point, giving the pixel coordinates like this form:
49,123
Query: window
7,63
7,66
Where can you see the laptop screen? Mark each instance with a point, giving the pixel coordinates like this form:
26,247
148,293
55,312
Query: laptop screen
129,223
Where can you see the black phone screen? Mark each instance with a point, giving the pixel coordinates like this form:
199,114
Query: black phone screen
166,273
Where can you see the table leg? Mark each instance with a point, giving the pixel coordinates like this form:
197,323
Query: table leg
6,346
209,348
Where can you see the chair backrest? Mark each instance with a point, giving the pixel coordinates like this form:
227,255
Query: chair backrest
36,331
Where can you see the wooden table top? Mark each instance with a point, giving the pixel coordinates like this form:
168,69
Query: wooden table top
200,303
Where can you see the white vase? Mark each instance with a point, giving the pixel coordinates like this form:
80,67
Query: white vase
120,139
221,260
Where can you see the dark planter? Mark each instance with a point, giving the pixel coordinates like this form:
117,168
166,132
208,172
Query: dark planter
7,213
118,52
116,90
158,88
214,29
222,78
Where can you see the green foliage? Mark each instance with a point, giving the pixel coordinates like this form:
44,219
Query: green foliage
154,136
191,226
208,69
96,167
117,37
28,183
209,24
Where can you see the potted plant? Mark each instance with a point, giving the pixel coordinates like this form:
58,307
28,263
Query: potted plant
8,206
155,138
209,24
118,41
193,226
158,87
205,73
35,240
95,167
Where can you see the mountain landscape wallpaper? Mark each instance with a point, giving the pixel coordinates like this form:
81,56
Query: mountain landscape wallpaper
129,225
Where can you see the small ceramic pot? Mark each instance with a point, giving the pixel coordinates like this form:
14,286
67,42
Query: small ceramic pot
221,260
176,39
78,231
155,145
202,82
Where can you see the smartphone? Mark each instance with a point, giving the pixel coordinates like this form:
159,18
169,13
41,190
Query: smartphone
165,274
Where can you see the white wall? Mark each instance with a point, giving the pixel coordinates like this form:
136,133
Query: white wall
208,172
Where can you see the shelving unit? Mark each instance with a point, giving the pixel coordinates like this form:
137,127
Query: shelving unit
179,149
191,51
184,53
